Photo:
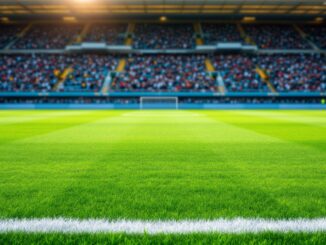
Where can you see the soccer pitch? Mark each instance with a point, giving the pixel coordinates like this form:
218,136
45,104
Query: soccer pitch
163,165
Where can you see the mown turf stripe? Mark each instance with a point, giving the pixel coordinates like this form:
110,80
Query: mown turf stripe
236,226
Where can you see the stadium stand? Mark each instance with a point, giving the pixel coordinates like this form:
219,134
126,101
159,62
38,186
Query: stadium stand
296,73
164,36
276,36
108,33
316,33
176,73
239,73
287,73
41,73
289,61
8,33
30,73
169,73
214,33
88,72
48,36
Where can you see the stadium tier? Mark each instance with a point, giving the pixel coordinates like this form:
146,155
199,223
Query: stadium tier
239,73
8,33
87,72
45,73
316,33
164,36
296,72
169,73
214,33
45,36
272,36
163,73
107,33
30,73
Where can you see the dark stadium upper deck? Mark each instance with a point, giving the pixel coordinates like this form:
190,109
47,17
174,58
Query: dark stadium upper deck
233,8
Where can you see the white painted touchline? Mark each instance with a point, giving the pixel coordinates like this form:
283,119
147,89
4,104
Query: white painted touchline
236,225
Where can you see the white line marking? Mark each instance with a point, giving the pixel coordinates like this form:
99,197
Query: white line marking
237,225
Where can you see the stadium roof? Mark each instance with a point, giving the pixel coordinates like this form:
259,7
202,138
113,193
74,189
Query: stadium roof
176,7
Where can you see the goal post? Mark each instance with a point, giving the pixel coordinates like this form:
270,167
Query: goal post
159,103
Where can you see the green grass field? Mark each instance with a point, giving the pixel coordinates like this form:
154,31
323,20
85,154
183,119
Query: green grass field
155,165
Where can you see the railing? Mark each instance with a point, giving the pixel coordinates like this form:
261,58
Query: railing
218,47
161,94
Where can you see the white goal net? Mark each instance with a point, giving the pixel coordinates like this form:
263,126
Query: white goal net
159,103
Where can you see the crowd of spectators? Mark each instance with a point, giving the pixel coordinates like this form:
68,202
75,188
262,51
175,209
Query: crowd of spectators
159,73
276,36
48,36
286,73
316,33
164,36
162,73
239,73
88,72
296,73
8,33
108,33
30,73
214,33
42,73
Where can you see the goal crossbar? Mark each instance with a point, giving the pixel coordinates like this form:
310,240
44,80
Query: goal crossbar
159,102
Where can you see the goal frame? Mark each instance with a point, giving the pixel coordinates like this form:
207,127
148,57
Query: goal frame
141,100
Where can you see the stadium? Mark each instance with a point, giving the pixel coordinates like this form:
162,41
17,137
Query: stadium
162,122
